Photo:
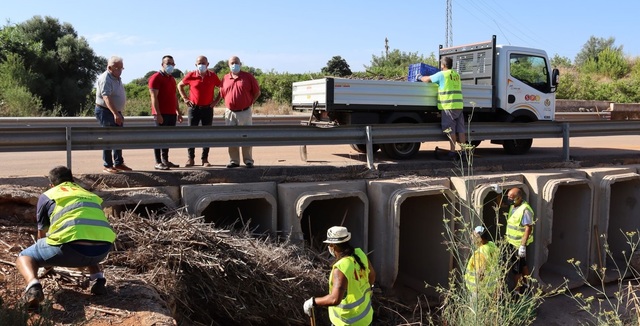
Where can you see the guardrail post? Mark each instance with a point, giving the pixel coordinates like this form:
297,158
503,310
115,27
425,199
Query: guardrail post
68,138
369,149
565,141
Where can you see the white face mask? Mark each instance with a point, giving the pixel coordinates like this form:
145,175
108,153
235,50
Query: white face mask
332,252
202,68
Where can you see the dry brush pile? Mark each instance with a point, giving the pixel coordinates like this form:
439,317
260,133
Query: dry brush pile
212,276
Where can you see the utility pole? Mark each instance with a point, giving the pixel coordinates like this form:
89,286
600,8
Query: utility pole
386,46
449,29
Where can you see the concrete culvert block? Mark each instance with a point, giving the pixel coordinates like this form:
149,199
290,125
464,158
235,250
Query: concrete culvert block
405,233
616,211
308,209
142,200
239,205
563,205
482,195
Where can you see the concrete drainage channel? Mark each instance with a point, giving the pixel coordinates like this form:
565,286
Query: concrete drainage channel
400,221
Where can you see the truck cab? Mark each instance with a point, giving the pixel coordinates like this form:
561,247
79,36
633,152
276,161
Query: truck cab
522,82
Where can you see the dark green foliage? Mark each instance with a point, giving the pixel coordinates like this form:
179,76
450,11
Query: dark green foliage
59,67
396,63
337,66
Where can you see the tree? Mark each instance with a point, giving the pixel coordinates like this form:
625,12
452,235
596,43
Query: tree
560,62
395,64
61,67
337,66
593,48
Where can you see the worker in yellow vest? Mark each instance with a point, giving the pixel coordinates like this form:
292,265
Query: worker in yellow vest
73,231
519,234
450,102
482,264
350,282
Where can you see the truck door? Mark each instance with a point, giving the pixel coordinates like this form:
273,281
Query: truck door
529,91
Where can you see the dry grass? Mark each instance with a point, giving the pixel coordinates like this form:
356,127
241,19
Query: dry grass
212,276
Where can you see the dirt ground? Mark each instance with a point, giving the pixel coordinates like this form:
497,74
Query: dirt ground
131,302
68,300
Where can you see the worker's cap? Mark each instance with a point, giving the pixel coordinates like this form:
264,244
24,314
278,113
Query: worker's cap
479,230
338,234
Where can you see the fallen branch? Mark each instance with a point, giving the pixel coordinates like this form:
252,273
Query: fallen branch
111,312
8,263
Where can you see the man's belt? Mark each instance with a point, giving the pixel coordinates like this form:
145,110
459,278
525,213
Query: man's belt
245,109
201,106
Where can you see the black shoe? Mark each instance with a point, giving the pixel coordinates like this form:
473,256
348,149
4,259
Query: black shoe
233,165
99,287
249,165
171,164
161,166
33,296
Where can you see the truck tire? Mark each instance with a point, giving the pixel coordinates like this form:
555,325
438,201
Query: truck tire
362,148
401,151
517,146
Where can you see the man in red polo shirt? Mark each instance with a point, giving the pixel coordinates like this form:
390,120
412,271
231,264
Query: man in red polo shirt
201,102
164,106
239,90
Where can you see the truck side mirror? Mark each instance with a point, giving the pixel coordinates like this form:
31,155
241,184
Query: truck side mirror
555,79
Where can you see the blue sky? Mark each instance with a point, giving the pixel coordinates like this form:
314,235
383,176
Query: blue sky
302,35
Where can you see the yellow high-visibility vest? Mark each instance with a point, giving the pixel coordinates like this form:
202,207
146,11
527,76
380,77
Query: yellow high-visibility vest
515,229
483,259
355,307
78,215
450,96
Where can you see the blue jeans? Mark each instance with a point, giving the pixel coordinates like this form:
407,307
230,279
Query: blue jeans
66,255
105,117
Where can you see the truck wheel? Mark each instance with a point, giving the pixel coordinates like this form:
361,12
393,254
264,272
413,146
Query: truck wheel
517,146
362,148
401,151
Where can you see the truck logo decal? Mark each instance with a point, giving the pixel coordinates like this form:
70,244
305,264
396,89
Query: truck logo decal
547,102
533,98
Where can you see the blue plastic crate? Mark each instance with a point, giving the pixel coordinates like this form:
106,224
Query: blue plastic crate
420,69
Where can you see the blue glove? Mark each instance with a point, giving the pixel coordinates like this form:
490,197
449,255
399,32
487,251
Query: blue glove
419,77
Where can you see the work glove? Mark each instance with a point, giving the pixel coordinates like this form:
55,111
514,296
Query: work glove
419,78
308,305
522,252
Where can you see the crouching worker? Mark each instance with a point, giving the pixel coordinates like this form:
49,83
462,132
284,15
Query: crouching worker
73,231
349,298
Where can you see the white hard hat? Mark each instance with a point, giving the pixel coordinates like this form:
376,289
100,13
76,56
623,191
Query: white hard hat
337,234
479,230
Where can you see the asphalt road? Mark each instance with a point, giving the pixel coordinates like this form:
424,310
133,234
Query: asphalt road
21,164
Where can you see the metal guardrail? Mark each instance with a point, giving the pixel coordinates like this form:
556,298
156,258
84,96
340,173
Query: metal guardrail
69,139
294,119
137,121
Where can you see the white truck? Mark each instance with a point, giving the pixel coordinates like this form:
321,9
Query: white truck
500,83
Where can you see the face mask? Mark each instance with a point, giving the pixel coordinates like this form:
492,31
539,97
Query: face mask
332,252
202,68
510,201
168,69
235,68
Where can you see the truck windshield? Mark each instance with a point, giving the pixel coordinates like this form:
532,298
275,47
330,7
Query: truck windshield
531,70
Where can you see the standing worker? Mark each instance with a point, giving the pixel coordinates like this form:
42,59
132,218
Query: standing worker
164,106
520,235
483,261
110,102
350,281
239,90
73,231
449,101
202,84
